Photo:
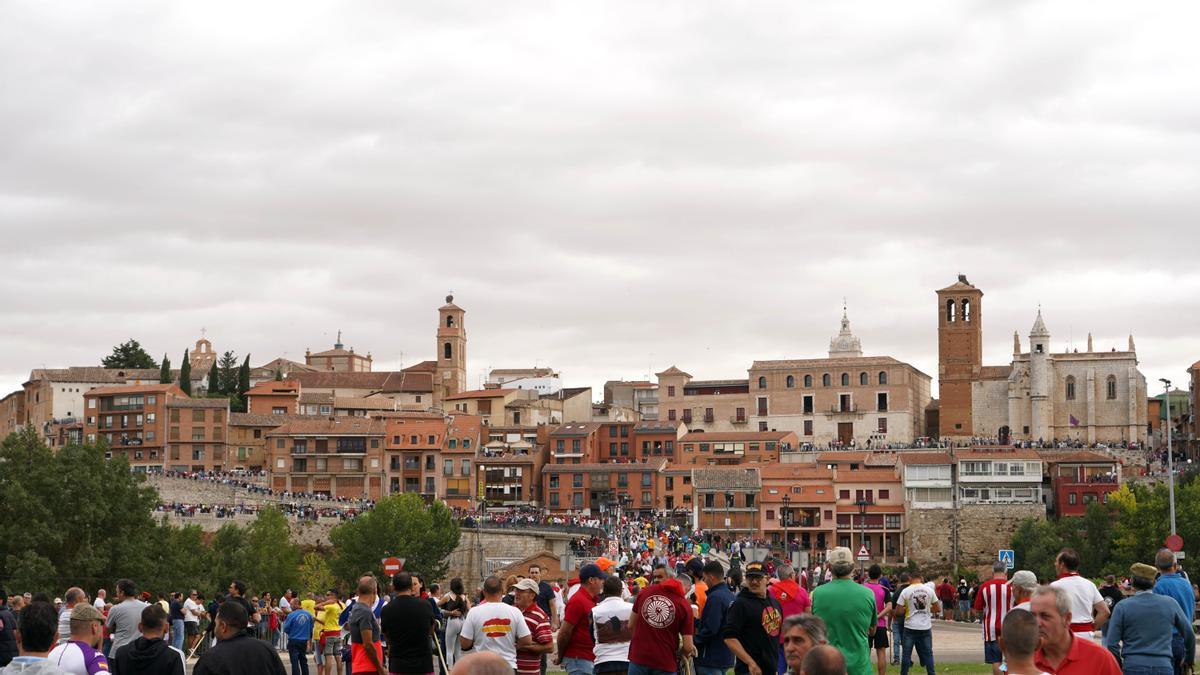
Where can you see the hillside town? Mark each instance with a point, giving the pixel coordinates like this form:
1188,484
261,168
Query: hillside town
850,450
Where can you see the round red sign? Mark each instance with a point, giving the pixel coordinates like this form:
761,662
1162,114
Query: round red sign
1174,542
392,565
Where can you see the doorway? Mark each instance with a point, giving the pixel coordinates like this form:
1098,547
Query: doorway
845,432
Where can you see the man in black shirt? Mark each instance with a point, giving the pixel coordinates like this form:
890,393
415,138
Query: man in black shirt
237,594
545,597
236,653
407,621
752,625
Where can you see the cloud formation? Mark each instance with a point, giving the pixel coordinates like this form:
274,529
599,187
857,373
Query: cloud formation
609,188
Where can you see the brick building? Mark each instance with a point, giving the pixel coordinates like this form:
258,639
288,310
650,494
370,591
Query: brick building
53,394
1078,479
197,434
599,487
338,360
131,420
12,412
246,440
725,500
414,447
799,499
274,398
735,447
338,456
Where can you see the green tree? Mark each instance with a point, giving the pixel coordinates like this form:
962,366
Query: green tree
402,526
314,574
1037,542
164,373
129,355
229,373
270,561
279,375
227,547
32,572
214,381
243,384
185,374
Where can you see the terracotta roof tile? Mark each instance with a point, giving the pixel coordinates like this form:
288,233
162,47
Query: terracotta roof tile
480,393
718,436
180,402
336,426
726,479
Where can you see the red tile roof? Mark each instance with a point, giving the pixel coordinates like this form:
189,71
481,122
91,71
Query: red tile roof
480,393
705,436
136,389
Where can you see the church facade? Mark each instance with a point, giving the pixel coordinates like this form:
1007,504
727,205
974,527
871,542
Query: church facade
1090,396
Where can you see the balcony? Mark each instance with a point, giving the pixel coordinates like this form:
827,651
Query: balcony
837,409
738,419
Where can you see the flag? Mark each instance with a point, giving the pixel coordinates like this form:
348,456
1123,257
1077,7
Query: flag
1074,422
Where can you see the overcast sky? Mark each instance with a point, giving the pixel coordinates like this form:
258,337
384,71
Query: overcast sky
609,188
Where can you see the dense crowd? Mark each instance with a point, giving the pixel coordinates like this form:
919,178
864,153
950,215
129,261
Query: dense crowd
297,510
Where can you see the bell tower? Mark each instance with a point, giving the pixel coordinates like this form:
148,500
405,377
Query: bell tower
451,375
960,354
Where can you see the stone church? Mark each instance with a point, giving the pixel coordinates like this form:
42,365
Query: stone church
1091,396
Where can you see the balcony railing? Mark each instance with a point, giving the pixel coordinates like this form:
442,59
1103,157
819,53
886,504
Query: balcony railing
738,419
843,409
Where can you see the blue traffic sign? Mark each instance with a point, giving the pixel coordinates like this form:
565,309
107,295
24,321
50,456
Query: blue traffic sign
1008,558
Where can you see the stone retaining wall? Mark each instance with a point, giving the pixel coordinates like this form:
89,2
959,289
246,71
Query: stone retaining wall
983,529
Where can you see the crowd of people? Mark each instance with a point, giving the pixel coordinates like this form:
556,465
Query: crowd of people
298,510
685,612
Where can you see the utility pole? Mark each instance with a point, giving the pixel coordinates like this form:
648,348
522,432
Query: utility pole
1170,458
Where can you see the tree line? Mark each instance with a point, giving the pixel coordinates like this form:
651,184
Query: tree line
225,379
1131,527
72,518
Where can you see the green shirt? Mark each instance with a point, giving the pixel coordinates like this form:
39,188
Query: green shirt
848,610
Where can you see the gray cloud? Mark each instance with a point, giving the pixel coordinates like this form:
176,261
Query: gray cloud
609,188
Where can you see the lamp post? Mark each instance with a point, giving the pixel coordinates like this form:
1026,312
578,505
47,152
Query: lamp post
729,512
1170,459
787,551
862,527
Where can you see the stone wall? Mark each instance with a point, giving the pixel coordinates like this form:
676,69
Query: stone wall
304,532
982,530
500,550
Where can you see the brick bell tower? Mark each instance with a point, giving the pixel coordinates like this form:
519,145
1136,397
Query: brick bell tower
960,354
451,375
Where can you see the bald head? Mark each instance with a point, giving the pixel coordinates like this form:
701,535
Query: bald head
823,660
482,663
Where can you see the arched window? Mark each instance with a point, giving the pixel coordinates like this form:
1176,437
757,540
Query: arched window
863,379
446,351
845,379
825,380
1112,387
1070,387
808,381
791,381
882,377
762,383
966,310
951,311
450,321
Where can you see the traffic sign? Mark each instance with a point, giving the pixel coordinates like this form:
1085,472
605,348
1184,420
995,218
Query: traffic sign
393,565
1008,558
863,554
1174,542
1180,555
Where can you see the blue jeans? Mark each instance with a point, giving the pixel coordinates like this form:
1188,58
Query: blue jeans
635,669
177,634
923,641
1177,652
1148,670
707,670
298,653
580,666
897,641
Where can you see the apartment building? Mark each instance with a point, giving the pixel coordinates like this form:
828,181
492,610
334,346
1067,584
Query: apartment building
413,451
131,420
246,439
871,512
734,447
928,479
1078,479
197,434
1001,475
338,456
274,398
798,500
598,488
725,500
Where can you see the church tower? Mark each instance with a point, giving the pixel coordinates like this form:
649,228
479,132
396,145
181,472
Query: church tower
960,354
451,375
1041,379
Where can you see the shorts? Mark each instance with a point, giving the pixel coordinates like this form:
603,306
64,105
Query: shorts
191,627
991,652
333,645
880,639
611,667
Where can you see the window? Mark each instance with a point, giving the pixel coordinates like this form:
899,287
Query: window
762,406
825,380
554,482
429,466
446,351
966,310
465,467
198,434
951,311
432,440
553,499
1070,387
741,415
577,480
612,449
645,497
881,401
977,468
624,449
891,521
863,379
1111,388
845,379
710,500
882,377
708,414
808,381
175,415
577,500
885,494
808,427
687,415
623,480
646,479
671,415
671,390
354,464
1072,498
843,494
91,404
448,467
150,418
762,383
882,428
791,382
258,433
453,444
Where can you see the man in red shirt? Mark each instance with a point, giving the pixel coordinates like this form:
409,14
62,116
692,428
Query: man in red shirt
659,619
994,599
529,659
946,594
575,640
1062,653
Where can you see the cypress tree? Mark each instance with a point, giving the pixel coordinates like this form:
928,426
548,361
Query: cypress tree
244,378
185,374
214,380
164,373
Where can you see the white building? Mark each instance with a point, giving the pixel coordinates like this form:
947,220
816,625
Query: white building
928,479
541,380
998,476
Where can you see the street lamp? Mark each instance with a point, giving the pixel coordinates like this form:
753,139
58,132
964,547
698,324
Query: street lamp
787,551
729,512
862,527
1170,459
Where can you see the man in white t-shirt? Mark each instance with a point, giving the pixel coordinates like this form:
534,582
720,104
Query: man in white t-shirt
192,609
1085,597
492,626
610,627
917,603
100,602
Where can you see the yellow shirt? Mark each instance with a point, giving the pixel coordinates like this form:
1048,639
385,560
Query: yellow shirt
331,616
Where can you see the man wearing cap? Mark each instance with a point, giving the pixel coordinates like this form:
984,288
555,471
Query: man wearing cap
1137,632
850,612
1172,584
1023,584
917,603
753,624
80,655
1085,599
575,641
699,593
530,657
